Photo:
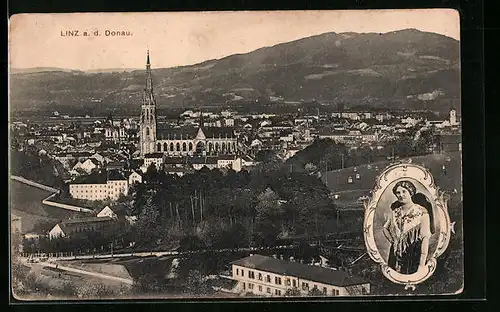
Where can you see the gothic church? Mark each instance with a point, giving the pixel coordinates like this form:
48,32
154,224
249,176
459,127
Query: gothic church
179,141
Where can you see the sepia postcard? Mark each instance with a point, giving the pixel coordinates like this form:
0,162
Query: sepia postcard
242,154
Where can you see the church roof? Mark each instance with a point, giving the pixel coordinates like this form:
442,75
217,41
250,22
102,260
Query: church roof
186,133
189,133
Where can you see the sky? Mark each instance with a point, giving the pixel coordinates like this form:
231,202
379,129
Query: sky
185,38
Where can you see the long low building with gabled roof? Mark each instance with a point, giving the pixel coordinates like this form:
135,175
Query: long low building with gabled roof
75,226
267,276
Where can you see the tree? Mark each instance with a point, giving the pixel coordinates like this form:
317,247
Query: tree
195,285
315,292
147,282
210,232
310,168
94,291
191,242
147,225
267,215
151,175
292,292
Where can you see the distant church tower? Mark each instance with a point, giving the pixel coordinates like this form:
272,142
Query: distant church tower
148,115
453,117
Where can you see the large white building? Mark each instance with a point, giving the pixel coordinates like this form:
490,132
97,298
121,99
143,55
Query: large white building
153,158
267,276
99,186
115,131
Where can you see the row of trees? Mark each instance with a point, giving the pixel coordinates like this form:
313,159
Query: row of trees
232,209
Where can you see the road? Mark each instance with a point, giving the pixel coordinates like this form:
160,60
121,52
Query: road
93,274
159,253
56,277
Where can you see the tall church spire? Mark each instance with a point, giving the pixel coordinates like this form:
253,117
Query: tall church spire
147,138
149,79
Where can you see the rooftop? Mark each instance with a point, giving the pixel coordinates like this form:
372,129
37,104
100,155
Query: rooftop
202,160
226,157
94,178
312,273
154,155
115,175
186,133
86,220
67,225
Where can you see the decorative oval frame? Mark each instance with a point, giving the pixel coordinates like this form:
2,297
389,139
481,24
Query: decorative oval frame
439,199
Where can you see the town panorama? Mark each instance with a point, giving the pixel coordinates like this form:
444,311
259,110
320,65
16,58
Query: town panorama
213,202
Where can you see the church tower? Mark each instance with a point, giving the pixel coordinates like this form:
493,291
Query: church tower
148,115
453,117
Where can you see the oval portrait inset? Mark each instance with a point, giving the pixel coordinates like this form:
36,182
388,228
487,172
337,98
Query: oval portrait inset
406,225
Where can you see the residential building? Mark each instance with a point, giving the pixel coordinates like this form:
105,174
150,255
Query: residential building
107,212
197,163
134,177
241,163
453,118
116,165
114,131
267,276
88,165
179,171
224,161
76,226
66,157
99,186
153,158
229,122
101,159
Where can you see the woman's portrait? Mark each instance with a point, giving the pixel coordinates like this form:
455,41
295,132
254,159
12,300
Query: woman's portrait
408,228
404,223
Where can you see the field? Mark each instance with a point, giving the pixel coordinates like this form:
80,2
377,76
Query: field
348,193
26,203
107,268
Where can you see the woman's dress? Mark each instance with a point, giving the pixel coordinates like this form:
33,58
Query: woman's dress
407,229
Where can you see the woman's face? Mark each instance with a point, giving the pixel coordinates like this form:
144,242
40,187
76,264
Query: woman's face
403,195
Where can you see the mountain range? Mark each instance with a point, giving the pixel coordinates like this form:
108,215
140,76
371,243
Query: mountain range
401,69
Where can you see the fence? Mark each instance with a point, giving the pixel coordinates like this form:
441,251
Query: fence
34,184
49,255
47,201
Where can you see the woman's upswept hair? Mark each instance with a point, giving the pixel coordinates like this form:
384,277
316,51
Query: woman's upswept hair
417,198
407,185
